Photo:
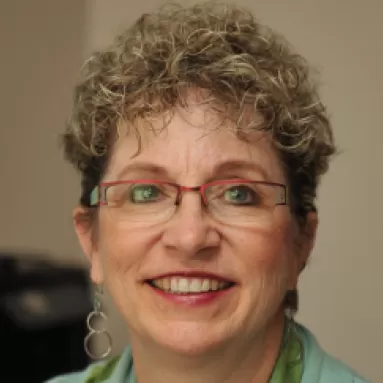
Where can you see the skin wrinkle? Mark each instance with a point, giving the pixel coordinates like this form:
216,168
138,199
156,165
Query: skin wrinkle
210,121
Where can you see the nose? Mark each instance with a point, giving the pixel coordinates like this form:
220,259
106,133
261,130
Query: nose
190,232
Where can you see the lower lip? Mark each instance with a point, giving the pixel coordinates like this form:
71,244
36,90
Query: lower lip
194,299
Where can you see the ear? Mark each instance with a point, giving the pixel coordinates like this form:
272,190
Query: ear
304,243
307,237
87,235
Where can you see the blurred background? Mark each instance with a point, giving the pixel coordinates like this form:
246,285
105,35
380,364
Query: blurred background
44,290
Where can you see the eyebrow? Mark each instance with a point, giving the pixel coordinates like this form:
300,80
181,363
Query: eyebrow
142,167
236,165
220,168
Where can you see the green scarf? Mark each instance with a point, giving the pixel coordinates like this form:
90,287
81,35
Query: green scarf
289,366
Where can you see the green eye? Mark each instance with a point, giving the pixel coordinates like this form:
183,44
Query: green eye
144,193
241,195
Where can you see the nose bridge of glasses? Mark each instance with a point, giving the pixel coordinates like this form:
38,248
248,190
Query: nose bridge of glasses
183,189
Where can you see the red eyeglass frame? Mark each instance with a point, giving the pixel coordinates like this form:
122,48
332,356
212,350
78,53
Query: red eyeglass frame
99,200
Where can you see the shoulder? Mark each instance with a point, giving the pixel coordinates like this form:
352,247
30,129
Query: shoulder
114,370
338,372
320,367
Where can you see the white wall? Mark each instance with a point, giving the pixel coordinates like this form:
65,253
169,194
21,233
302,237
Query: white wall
341,292
42,47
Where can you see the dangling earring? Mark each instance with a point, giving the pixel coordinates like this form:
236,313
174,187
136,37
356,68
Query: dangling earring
99,331
292,338
291,307
291,303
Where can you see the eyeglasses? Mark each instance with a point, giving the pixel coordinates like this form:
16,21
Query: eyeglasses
234,202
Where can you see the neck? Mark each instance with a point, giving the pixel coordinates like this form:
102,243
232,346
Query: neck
249,360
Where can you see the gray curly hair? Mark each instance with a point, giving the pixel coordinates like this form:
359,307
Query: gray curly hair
222,50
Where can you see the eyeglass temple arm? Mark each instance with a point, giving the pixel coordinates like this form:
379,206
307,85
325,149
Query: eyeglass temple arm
95,196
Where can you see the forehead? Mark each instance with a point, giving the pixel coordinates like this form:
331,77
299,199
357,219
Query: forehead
193,143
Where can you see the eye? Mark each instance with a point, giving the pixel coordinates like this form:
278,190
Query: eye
241,195
143,193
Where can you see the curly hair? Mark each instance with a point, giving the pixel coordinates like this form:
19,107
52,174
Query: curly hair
222,50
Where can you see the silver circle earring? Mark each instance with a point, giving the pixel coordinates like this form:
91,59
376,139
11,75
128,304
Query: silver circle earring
99,331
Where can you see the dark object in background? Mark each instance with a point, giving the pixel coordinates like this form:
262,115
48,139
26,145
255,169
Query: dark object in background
43,310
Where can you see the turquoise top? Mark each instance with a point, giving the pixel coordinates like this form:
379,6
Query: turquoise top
318,367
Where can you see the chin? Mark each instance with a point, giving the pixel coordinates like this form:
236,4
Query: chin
189,338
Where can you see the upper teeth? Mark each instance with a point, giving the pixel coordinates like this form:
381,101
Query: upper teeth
189,285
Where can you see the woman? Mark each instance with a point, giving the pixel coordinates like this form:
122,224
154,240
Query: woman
201,141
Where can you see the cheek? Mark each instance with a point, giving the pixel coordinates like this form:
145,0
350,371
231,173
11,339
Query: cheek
123,249
115,248
268,254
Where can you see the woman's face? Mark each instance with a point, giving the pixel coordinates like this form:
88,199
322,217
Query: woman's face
262,261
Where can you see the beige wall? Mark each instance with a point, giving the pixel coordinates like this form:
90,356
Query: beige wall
342,288
42,43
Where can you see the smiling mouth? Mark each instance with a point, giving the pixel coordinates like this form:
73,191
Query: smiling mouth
185,286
